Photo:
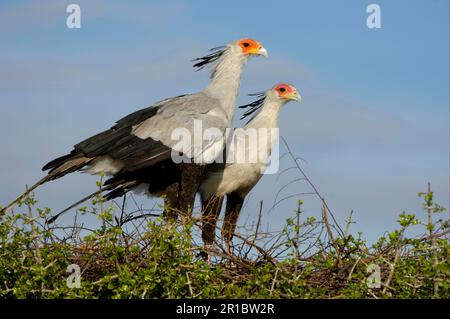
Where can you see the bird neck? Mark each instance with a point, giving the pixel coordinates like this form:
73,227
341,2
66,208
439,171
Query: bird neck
225,80
266,123
267,117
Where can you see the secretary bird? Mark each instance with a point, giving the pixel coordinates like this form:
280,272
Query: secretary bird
143,139
235,178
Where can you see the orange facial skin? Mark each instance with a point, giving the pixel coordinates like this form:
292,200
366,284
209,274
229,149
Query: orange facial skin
249,46
284,89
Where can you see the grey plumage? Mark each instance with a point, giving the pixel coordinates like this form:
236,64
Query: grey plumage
144,138
235,179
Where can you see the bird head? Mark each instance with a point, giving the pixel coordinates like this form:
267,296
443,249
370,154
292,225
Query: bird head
243,48
280,94
250,47
286,93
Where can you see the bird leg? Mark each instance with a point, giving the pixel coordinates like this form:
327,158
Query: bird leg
210,212
170,201
233,208
191,175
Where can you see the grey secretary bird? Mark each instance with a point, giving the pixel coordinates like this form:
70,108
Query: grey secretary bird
143,139
236,178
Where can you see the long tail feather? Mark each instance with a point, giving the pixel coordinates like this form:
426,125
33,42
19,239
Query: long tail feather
54,218
25,194
65,167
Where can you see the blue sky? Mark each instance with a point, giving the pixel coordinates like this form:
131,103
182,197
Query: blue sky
373,126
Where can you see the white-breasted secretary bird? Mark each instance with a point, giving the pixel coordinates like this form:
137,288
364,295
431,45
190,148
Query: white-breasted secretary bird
143,139
237,177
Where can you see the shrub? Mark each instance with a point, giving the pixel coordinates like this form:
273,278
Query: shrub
141,256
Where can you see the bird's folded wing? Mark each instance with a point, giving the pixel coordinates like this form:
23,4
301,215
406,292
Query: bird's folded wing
190,116
145,137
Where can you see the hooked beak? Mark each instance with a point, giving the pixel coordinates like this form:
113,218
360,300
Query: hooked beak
294,96
262,51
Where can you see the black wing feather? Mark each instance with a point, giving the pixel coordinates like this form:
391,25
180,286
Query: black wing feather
253,106
215,54
119,143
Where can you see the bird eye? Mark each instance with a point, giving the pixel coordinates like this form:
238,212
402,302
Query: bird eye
246,44
282,90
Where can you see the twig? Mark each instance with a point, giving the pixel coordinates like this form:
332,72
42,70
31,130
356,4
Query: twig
433,241
330,234
258,222
274,281
310,183
349,277
189,284
391,272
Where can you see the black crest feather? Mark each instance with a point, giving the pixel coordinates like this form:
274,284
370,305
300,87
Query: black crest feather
255,105
215,54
